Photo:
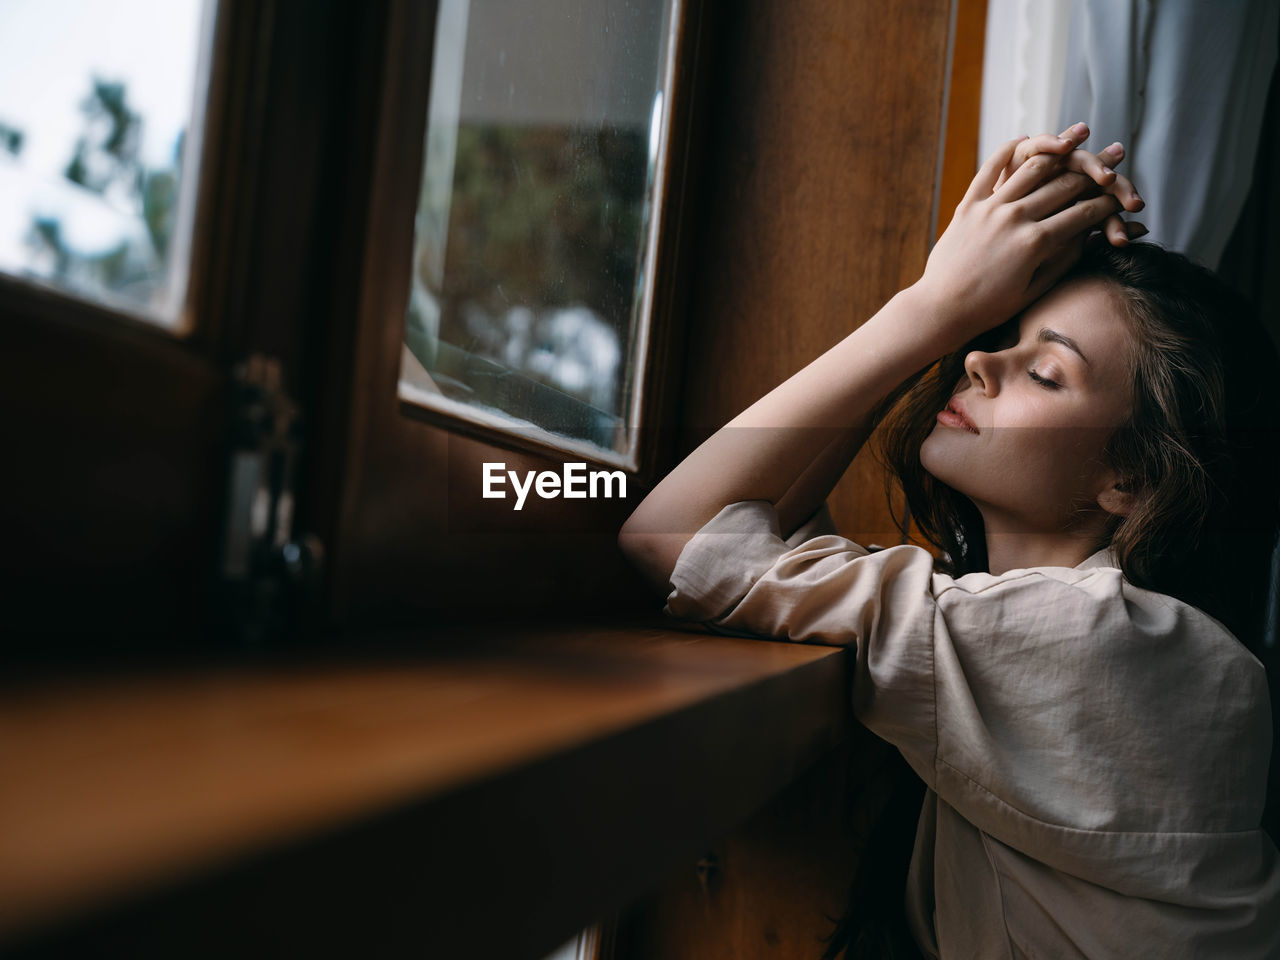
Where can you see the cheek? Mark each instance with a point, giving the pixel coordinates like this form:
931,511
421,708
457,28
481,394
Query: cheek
1067,450
993,467
1029,469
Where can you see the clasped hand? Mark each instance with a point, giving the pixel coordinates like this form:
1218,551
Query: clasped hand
1021,225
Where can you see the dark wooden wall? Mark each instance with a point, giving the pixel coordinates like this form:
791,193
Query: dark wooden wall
820,196
819,181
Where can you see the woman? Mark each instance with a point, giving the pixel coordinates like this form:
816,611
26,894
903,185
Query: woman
1094,744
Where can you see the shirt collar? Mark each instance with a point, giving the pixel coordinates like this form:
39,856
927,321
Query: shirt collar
1106,557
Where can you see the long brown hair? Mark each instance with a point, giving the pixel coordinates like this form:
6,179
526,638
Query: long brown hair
1199,449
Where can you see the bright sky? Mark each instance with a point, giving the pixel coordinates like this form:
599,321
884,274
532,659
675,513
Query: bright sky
49,52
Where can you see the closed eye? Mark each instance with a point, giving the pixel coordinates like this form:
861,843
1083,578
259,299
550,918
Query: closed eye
1044,381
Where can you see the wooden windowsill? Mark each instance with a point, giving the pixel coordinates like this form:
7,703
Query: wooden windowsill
481,798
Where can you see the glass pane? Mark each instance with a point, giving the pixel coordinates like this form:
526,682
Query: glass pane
533,258
97,167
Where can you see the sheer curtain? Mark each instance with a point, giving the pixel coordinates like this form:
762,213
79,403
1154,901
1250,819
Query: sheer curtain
1182,83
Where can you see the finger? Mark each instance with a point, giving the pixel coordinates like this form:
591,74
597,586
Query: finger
1034,171
1076,134
1092,165
1081,217
1095,240
1113,154
1043,143
1056,194
1028,177
1115,231
984,182
1124,191
1059,145
1120,232
1117,184
1132,230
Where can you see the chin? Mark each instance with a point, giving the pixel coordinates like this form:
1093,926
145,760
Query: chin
948,465
932,457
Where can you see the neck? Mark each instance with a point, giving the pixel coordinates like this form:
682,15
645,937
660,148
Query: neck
1013,546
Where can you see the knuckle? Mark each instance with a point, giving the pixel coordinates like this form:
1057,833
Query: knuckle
1085,185
1004,214
1068,184
1038,165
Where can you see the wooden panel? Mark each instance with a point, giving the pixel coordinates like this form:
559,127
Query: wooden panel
819,199
773,889
113,476
542,778
960,158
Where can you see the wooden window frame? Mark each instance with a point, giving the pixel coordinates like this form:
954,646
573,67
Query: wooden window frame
675,60
372,449
120,493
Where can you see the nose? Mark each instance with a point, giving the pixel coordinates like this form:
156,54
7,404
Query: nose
982,370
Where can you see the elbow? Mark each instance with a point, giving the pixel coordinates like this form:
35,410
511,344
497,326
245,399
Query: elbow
637,548
630,539
644,552
636,538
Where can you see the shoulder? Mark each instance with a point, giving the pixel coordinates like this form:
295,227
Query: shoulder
1061,690
1091,612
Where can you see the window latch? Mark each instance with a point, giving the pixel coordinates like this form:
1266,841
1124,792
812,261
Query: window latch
265,570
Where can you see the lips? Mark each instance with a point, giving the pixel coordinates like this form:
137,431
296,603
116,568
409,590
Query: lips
956,416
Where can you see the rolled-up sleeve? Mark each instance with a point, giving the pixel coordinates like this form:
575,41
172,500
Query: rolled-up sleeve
738,575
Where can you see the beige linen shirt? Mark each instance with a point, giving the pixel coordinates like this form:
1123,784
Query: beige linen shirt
1095,754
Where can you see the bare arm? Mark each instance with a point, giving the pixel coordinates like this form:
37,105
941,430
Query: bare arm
1003,249
813,486
763,452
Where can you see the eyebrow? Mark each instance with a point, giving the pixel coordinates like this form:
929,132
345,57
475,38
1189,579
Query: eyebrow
1053,336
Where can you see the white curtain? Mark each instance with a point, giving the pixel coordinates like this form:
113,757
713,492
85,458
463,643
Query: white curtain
1024,63
1182,83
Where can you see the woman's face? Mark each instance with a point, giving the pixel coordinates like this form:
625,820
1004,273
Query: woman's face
1023,434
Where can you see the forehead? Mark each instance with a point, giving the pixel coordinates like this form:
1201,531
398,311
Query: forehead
1091,312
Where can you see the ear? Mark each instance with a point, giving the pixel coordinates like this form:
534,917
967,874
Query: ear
1119,496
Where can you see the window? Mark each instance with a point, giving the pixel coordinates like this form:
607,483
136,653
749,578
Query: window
101,110
535,236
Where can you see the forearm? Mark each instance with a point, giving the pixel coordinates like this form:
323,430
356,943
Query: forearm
815,483
762,453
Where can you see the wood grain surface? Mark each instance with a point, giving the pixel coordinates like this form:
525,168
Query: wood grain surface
611,750
819,202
